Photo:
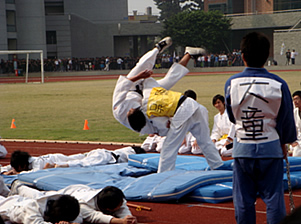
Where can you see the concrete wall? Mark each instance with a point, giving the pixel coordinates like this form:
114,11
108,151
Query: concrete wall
291,41
277,20
60,24
30,23
91,39
122,46
3,30
98,10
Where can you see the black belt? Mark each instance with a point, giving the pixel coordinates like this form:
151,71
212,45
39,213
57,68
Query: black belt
181,100
116,157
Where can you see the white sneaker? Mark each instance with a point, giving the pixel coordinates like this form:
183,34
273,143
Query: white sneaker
195,52
164,43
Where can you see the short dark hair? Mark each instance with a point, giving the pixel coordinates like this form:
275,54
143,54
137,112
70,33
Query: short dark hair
65,208
297,93
218,97
190,93
109,199
256,49
19,160
137,120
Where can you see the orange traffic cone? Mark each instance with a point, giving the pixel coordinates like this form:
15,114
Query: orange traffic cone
13,125
86,127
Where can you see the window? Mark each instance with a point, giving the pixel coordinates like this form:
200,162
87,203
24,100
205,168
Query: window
54,7
11,21
50,37
10,1
220,7
286,4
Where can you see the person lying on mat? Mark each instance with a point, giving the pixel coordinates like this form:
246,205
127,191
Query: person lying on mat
23,161
107,205
59,209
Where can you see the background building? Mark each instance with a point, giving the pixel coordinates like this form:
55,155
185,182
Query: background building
75,28
86,29
278,19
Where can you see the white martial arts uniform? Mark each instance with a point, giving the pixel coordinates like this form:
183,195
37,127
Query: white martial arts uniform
19,209
155,143
224,151
87,199
151,142
188,117
4,191
93,158
220,130
3,151
297,149
125,97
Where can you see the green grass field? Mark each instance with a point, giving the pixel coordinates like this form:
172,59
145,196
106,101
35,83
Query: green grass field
57,111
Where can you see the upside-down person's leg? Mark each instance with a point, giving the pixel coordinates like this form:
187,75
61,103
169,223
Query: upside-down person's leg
147,61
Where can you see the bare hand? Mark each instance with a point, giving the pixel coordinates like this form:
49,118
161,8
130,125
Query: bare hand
145,74
195,144
48,165
129,220
62,166
11,172
294,144
142,75
168,124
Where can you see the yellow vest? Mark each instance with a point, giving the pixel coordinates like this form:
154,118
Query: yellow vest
162,102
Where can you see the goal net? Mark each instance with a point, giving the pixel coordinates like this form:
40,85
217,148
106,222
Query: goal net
27,52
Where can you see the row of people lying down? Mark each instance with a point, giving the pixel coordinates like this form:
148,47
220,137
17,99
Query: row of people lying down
222,133
23,162
73,204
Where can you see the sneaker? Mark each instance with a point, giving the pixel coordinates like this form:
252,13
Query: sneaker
14,187
195,52
164,43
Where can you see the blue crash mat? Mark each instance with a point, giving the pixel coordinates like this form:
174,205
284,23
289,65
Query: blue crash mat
151,160
167,186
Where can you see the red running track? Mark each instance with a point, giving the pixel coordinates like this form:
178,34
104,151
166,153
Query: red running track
161,213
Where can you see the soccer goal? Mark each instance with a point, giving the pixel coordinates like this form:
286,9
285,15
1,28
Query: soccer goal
27,52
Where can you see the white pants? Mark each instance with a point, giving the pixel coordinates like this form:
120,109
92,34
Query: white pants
175,136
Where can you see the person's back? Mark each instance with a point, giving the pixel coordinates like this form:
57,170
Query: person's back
260,105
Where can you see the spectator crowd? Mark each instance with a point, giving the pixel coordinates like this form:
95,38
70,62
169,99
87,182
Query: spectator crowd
114,63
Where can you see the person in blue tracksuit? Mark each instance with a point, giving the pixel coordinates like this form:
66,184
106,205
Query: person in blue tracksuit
259,104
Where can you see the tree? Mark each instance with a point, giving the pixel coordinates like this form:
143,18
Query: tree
199,28
171,7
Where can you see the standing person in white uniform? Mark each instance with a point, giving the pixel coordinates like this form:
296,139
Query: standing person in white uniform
107,205
222,133
21,161
154,142
186,116
296,146
59,209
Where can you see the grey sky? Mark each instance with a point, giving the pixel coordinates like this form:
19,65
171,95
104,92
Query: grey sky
141,5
